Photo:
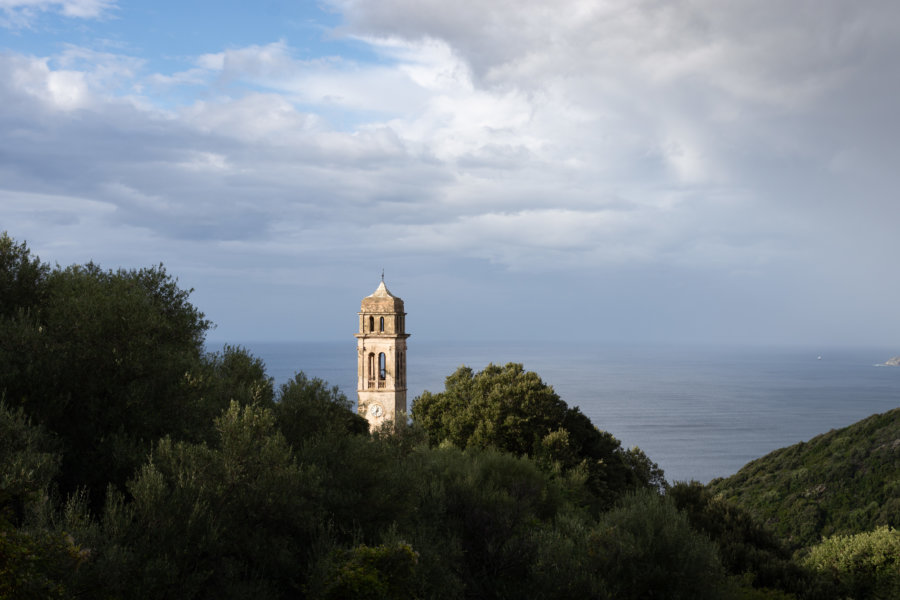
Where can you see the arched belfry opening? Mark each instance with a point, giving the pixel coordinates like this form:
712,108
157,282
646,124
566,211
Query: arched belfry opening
381,355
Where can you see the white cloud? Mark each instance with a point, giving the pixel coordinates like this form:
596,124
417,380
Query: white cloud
78,78
105,69
723,138
329,83
67,89
62,89
207,161
251,118
21,12
253,62
675,78
186,77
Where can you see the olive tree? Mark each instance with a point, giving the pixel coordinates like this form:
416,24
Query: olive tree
513,410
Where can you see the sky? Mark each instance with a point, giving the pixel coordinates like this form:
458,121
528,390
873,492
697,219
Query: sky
681,171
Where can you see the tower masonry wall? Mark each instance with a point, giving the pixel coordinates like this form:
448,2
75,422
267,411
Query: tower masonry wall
381,357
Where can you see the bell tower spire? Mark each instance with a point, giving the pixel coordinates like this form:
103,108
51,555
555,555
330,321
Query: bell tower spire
381,357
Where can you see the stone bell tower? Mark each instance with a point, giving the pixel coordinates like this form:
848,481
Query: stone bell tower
381,357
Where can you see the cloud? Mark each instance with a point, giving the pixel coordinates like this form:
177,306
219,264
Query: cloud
77,78
735,140
497,170
685,73
327,83
32,78
21,13
692,94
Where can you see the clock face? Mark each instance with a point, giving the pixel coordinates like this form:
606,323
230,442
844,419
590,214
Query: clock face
376,410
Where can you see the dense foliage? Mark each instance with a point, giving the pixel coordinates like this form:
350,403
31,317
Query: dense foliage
513,410
843,482
746,547
865,565
99,358
133,464
34,563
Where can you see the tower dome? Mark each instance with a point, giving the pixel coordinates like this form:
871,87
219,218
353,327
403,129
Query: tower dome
381,300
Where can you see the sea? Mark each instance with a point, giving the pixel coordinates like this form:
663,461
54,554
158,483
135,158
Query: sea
699,412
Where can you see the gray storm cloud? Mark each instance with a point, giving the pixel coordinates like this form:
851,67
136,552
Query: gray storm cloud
742,152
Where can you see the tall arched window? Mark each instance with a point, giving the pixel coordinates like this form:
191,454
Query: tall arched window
382,366
371,323
381,325
371,373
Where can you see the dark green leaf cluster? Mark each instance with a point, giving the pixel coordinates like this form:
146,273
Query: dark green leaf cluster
22,278
308,407
224,521
383,572
513,410
100,358
648,545
843,482
34,562
746,548
250,515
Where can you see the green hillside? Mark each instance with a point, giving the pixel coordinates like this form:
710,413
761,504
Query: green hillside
842,482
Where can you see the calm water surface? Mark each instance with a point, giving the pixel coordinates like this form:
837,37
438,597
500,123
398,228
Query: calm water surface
698,412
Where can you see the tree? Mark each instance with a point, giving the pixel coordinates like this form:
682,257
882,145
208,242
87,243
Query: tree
37,565
370,573
480,516
101,358
748,550
220,378
34,562
501,407
235,519
308,407
513,410
23,288
645,548
864,565
22,278
27,464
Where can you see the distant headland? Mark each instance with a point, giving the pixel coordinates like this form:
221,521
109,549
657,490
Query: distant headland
892,362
